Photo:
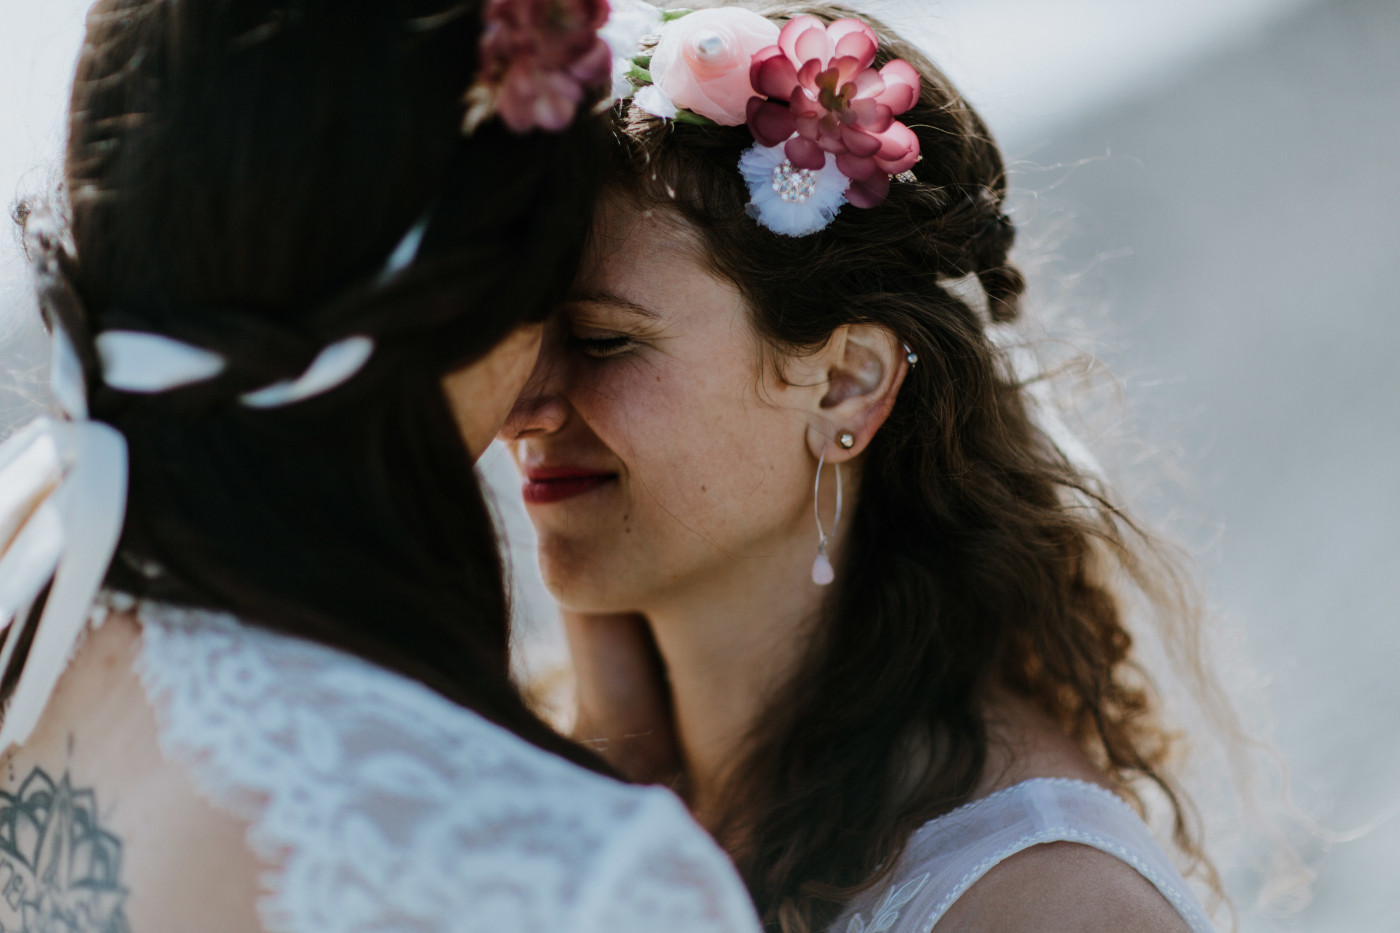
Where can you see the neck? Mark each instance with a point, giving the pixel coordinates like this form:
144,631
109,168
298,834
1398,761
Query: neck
729,643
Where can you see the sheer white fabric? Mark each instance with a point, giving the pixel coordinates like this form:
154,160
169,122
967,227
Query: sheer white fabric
386,807
946,856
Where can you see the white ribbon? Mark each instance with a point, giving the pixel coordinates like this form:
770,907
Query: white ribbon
144,364
63,495
407,249
332,366
61,510
133,361
63,488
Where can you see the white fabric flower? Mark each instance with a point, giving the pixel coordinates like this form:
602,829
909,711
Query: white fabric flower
628,24
652,100
788,200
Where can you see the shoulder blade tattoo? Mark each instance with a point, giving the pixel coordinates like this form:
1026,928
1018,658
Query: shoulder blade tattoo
59,870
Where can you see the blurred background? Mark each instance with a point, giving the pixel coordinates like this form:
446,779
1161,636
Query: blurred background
1208,193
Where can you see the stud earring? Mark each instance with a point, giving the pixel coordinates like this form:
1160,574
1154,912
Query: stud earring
846,439
822,572
910,356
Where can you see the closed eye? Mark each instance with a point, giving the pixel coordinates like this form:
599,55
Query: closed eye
600,347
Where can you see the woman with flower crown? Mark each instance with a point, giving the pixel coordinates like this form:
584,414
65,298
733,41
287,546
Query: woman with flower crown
254,659
825,564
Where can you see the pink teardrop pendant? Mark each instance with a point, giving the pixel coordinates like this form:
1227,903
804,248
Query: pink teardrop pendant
822,574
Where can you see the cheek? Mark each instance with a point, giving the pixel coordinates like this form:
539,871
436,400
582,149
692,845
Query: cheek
703,456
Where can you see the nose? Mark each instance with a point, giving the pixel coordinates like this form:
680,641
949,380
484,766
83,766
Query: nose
541,408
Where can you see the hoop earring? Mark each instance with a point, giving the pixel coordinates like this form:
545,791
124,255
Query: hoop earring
910,356
822,572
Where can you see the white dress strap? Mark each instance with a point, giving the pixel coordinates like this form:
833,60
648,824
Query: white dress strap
950,854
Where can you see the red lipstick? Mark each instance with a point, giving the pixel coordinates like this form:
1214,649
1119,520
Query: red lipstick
544,485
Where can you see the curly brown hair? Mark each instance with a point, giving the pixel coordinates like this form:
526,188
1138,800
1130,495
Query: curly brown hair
981,554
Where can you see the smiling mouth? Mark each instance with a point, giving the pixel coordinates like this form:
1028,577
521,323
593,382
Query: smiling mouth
545,486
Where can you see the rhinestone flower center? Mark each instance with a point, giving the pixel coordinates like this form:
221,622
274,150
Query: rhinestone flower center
792,184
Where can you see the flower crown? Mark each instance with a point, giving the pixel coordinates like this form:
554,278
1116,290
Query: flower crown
822,117
539,60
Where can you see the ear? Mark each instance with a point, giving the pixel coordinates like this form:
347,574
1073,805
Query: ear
865,367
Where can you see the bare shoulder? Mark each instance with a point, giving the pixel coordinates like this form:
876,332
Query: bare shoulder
99,831
1062,887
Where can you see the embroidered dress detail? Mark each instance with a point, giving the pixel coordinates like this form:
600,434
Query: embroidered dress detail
948,855
386,807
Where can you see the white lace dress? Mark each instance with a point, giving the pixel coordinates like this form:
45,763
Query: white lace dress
387,807
947,856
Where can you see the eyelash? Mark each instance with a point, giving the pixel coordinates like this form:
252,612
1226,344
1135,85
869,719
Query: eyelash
600,347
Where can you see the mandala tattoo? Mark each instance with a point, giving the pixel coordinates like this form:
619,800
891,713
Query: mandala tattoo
59,870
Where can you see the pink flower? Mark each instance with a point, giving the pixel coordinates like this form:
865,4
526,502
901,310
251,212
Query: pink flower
538,60
702,61
818,83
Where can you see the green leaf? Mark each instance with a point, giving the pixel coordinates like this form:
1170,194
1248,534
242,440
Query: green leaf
685,116
639,76
670,16
643,60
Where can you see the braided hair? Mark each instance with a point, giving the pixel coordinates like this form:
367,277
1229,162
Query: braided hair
236,175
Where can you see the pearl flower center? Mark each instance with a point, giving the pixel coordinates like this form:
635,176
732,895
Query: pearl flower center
792,184
709,47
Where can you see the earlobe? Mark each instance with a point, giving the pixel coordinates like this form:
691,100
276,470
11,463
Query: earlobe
866,368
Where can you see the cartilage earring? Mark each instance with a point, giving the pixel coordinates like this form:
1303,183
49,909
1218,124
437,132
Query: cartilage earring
822,572
846,439
910,356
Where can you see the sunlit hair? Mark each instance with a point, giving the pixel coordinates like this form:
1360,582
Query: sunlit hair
980,554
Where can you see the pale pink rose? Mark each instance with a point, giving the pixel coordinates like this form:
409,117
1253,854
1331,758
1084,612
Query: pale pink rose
702,61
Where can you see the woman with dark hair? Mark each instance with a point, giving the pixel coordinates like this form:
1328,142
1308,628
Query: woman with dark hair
255,666
916,709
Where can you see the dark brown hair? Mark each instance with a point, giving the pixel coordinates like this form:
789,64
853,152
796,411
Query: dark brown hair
980,554
236,176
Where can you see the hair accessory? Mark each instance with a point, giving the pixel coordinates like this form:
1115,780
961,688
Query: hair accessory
148,364
63,488
144,364
539,60
62,499
910,356
407,251
332,366
822,572
789,200
846,440
821,115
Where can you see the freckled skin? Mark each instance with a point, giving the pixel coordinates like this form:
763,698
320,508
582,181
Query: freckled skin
709,448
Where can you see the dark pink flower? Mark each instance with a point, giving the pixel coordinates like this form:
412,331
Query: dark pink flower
539,58
818,84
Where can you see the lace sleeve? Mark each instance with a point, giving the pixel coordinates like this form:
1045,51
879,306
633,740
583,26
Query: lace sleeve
381,806
666,874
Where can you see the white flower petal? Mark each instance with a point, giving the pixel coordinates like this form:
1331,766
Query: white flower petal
653,101
630,22
790,218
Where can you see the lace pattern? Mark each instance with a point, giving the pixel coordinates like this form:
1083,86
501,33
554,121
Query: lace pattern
948,855
385,806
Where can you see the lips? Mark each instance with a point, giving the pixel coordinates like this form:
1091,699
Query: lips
544,485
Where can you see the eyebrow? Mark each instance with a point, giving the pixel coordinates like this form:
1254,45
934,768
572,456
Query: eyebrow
617,301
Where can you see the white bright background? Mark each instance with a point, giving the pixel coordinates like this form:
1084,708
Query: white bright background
1214,184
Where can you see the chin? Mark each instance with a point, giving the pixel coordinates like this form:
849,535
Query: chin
578,579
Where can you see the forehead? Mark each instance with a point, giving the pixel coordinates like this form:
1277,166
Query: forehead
649,256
